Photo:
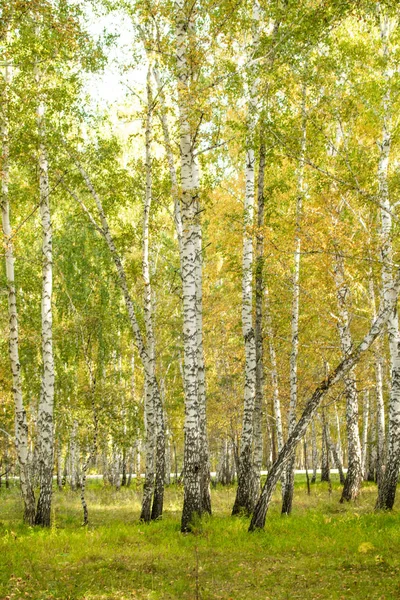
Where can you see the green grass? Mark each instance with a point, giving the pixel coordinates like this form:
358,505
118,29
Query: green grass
324,550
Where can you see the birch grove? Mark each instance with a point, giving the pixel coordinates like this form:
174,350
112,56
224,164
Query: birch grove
199,219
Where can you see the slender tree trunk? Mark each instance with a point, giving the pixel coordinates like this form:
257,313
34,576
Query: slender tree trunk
258,330
364,447
204,453
287,500
260,512
21,424
72,456
274,377
46,403
334,452
247,489
155,435
192,503
388,483
314,451
325,469
59,464
339,440
306,464
354,472
93,447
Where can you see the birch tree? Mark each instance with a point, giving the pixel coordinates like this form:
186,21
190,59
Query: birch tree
21,424
289,478
247,483
388,484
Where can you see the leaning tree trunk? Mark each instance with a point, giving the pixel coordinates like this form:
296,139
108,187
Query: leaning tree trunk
260,512
46,403
21,424
104,230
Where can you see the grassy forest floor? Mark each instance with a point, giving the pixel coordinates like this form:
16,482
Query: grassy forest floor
324,550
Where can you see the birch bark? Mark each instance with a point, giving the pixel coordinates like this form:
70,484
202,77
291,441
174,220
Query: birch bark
354,472
247,483
388,483
258,330
155,433
380,404
46,403
289,478
274,376
21,424
192,503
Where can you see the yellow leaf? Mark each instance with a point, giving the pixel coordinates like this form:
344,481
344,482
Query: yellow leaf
365,547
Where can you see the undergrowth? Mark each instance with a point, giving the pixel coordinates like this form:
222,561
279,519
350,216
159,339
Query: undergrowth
323,550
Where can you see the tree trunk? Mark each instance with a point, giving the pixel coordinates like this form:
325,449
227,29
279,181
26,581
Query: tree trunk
192,503
155,434
59,464
364,447
287,500
388,483
247,489
354,472
258,330
21,424
325,469
335,454
46,403
314,454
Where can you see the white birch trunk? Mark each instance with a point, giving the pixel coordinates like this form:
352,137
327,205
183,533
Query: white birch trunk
258,331
354,472
273,371
46,403
314,454
204,455
289,479
21,424
247,484
204,459
380,404
388,483
338,433
192,503
155,434
364,446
